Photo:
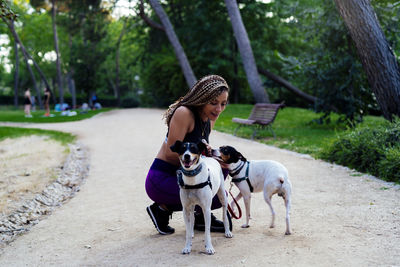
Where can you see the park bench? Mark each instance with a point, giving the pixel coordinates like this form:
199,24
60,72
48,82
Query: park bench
262,116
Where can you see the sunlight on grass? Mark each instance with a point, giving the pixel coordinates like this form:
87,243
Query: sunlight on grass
296,129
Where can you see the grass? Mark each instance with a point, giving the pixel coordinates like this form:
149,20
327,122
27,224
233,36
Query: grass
295,128
12,115
15,132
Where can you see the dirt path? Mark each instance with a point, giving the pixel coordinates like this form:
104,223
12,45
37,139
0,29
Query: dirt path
338,219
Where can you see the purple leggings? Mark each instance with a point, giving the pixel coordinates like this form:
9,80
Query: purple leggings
162,186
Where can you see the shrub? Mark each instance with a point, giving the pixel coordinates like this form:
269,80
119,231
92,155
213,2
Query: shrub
373,150
389,167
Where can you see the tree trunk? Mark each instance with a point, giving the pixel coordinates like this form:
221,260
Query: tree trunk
16,73
58,59
70,75
249,63
117,53
27,56
287,85
72,90
179,52
147,20
376,56
10,25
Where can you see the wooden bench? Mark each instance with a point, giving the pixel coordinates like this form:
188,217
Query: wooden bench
262,116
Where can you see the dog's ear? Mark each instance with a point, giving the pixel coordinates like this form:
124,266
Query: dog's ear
238,155
177,146
241,156
201,146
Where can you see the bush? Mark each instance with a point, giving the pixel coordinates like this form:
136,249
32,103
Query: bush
375,151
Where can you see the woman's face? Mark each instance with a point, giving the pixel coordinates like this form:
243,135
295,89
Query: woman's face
215,107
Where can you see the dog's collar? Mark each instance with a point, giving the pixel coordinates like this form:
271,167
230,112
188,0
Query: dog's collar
196,186
192,172
237,170
245,178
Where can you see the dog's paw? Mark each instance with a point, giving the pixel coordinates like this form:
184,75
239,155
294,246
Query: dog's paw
245,226
228,234
288,233
210,250
186,250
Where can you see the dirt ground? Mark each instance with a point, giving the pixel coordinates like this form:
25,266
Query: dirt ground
338,217
27,166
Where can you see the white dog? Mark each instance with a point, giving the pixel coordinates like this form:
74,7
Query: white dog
200,178
256,176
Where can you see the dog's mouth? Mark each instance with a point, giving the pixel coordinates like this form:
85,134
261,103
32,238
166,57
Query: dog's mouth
216,155
188,163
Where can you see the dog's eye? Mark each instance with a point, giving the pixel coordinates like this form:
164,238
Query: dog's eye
193,149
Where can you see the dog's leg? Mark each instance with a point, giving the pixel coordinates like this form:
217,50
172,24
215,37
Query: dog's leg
247,201
192,220
207,223
224,202
237,198
268,192
189,229
287,199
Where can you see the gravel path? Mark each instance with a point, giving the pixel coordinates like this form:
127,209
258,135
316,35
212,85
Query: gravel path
337,218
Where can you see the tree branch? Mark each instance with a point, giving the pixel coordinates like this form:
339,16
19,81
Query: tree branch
287,85
147,20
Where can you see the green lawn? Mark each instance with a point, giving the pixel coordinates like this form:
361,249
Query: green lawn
15,132
294,128
10,115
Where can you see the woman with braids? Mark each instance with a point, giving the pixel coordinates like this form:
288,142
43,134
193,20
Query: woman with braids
190,119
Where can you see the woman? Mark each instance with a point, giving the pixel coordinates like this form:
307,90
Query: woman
27,103
47,102
190,119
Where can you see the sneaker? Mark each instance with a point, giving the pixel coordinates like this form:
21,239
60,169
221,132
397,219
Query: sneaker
160,219
216,225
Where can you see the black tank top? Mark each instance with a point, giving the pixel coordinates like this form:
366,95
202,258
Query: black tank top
200,131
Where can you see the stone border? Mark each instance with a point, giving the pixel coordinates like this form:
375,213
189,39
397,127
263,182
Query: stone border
73,174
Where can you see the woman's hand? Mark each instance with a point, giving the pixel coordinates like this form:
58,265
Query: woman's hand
208,148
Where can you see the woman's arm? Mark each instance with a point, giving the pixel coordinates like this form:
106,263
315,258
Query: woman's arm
182,122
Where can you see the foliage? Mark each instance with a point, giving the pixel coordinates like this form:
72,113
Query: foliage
14,132
86,22
6,12
303,41
375,150
335,74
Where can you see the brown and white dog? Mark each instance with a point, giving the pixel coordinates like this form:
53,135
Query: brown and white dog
200,179
268,176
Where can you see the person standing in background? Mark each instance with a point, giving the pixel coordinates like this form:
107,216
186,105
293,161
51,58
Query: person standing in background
27,103
47,102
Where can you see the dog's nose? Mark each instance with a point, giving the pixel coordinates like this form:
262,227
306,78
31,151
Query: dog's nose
186,157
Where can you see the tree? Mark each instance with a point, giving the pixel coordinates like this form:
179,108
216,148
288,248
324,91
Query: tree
27,57
179,52
86,23
16,73
376,56
6,12
242,39
58,56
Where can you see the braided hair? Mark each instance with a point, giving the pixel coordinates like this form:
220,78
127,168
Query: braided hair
203,91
